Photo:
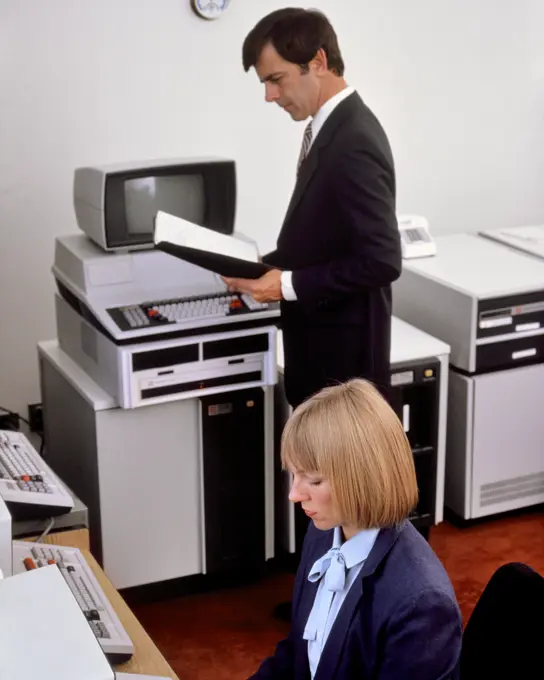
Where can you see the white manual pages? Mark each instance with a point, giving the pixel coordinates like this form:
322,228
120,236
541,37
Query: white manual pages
219,253
180,232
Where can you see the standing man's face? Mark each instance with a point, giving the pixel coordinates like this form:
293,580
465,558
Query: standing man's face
286,84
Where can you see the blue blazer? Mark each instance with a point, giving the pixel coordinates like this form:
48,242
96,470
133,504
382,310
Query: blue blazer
399,621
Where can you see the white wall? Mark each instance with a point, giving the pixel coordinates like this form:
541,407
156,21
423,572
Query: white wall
458,84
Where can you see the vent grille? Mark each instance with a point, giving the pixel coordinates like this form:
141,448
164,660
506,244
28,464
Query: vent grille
512,489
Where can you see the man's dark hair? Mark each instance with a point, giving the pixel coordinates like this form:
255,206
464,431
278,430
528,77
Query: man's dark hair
297,35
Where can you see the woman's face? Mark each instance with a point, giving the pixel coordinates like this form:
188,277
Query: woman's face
313,492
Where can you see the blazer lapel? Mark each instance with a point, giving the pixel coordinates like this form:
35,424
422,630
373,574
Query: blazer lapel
332,650
307,602
306,171
323,139
322,541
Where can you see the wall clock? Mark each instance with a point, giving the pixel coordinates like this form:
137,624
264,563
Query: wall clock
209,9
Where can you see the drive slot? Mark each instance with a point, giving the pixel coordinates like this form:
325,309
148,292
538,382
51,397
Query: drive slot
164,390
249,344
163,358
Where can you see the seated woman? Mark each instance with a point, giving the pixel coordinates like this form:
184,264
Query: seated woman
371,599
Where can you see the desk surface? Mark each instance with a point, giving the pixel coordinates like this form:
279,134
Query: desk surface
147,660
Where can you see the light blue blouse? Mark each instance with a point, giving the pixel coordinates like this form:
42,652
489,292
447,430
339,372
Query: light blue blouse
340,566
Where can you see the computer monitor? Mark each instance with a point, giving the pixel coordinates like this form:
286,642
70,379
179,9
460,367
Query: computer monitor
116,204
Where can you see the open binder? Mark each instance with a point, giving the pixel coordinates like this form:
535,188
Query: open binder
219,253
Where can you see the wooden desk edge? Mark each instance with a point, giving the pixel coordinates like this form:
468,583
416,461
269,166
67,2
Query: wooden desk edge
147,659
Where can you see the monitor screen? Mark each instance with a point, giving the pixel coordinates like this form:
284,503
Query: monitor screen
181,195
116,205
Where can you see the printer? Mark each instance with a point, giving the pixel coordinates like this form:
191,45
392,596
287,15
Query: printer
158,391
486,300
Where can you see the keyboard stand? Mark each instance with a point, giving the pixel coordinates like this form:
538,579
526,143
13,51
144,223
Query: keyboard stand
146,658
77,518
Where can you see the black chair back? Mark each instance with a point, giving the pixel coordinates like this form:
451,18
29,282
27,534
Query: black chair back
504,637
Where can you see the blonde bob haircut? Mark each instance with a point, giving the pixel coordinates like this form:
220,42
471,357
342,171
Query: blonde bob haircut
350,435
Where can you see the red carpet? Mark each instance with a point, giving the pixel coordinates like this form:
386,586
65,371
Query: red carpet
225,634
471,555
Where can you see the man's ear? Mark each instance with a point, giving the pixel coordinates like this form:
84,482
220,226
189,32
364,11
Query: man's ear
319,63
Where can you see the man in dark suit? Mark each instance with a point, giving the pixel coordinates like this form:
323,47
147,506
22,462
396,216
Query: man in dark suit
338,250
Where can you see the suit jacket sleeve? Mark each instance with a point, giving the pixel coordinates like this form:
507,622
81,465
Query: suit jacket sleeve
423,642
363,187
281,665
270,258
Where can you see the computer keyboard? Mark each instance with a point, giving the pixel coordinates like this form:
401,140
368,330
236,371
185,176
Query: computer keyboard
101,616
28,486
178,310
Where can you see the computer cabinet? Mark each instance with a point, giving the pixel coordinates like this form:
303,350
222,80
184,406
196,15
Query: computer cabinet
495,442
419,393
175,489
415,398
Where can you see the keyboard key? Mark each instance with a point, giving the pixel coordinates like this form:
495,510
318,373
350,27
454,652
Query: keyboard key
29,563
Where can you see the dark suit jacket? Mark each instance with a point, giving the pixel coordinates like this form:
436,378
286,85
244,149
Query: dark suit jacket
399,621
340,238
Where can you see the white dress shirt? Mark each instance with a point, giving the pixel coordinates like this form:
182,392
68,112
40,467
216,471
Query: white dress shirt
287,290
340,566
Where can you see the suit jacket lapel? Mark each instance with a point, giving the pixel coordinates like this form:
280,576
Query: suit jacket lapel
322,541
338,635
305,607
323,139
307,169
307,602
332,650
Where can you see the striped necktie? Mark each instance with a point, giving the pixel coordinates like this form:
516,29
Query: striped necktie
306,141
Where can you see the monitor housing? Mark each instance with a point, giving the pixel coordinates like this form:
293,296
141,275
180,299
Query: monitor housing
116,204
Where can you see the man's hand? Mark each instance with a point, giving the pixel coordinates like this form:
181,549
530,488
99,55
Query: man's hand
265,289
